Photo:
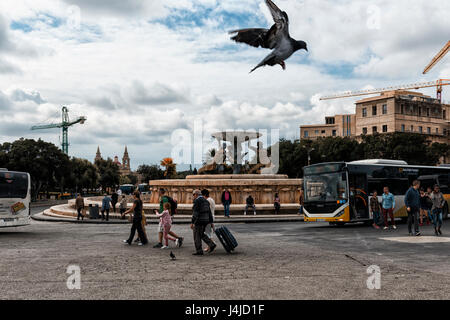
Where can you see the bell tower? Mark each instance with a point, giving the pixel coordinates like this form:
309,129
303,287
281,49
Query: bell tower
98,155
126,160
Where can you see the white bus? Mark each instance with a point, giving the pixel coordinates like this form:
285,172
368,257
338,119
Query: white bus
15,197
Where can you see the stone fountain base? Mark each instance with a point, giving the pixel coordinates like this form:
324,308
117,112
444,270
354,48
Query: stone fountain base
261,187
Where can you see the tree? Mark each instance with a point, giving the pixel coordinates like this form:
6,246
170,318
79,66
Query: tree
48,166
109,173
150,172
84,175
171,168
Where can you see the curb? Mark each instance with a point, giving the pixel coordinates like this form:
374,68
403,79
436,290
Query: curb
41,217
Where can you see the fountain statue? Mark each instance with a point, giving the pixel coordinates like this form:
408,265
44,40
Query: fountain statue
230,167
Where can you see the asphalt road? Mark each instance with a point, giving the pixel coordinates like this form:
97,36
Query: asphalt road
272,261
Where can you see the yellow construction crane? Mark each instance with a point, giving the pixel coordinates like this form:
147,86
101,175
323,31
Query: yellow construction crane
414,86
437,58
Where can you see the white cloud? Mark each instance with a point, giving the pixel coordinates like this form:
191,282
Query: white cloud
137,80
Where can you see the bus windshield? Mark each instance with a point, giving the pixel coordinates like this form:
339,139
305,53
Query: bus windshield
13,185
326,187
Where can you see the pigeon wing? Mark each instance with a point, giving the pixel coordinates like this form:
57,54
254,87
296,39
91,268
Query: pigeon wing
280,17
253,37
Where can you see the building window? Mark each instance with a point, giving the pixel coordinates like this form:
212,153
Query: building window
420,111
445,132
403,128
429,130
412,128
437,130
306,134
374,110
384,108
444,114
316,132
385,128
374,129
402,109
364,112
364,130
323,131
420,129
428,112
334,133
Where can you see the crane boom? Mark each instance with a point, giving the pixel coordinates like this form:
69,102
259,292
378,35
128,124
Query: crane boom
437,58
65,124
438,83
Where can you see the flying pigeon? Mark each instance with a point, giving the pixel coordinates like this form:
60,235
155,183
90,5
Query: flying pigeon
172,256
277,39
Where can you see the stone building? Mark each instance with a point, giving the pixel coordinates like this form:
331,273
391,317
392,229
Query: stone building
336,126
393,111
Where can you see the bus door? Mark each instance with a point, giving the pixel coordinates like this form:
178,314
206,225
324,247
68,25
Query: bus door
359,198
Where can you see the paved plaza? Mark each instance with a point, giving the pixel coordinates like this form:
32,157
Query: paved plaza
291,260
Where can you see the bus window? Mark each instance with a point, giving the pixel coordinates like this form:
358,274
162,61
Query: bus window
443,183
427,182
13,185
397,187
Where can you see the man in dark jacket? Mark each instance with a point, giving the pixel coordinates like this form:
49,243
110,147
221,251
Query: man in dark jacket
412,203
201,217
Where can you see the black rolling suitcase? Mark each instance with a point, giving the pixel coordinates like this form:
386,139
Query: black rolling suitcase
226,238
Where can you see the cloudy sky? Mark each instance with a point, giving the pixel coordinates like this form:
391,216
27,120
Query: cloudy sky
141,69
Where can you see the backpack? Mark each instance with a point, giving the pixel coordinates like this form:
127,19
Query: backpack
173,206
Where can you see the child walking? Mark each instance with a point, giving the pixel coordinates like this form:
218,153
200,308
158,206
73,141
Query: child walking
166,222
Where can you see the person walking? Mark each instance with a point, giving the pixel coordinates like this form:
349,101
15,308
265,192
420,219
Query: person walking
250,203
79,204
388,205
412,203
301,201
106,205
212,205
438,201
137,210
114,200
375,208
277,204
425,206
166,221
430,204
226,201
201,217
163,198
123,205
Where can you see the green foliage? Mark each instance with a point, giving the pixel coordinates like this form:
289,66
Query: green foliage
150,172
48,166
410,147
109,173
83,174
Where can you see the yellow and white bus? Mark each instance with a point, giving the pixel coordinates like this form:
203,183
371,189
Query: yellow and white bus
339,192
15,198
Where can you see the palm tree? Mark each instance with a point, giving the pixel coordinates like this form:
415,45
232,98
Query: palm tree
171,168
